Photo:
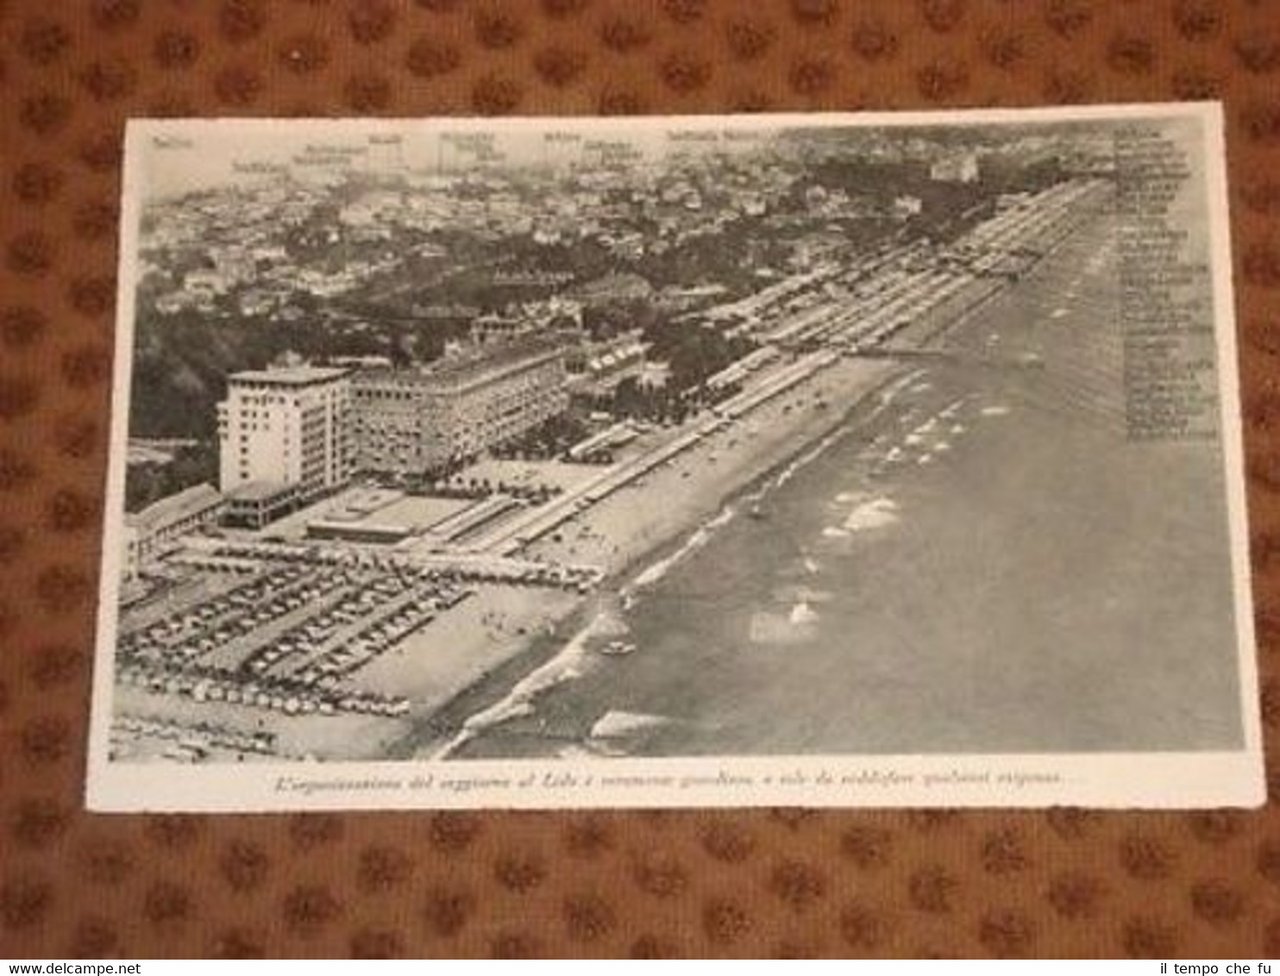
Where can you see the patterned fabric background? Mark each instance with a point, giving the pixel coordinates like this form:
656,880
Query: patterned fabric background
1064,882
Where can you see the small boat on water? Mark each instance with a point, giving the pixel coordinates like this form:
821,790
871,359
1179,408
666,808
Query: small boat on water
617,648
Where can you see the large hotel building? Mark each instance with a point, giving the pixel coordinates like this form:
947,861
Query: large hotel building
292,433
284,437
419,419
286,426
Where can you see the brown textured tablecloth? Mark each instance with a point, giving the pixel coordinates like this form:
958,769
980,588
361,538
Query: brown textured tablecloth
786,882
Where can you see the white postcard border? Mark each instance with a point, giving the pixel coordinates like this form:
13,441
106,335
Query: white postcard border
1151,780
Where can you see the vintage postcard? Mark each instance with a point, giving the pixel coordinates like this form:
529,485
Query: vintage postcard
830,460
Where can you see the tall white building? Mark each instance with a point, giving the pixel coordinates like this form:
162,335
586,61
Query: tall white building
286,427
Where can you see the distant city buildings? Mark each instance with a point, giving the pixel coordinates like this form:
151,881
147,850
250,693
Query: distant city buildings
723,240
494,328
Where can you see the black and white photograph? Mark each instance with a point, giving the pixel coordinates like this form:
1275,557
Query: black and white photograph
724,460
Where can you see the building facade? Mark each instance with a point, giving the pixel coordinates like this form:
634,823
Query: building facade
259,503
607,359
159,527
411,421
286,427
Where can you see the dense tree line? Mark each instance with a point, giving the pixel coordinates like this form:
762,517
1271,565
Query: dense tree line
147,483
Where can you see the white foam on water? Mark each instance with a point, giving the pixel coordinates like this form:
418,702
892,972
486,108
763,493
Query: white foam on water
813,596
567,665
924,459
621,725
941,446
911,440
576,752
656,571
572,662
832,532
873,514
611,624
792,593
789,472
958,428
575,659
775,628
891,392
996,411
1058,313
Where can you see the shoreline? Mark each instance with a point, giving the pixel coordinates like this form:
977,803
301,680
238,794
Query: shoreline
492,691
983,676
452,674
578,625
477,656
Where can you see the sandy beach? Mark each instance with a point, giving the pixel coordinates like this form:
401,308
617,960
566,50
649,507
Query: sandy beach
653,510
472,654
640,531
627,534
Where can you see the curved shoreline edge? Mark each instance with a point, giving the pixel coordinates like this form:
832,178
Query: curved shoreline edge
434,732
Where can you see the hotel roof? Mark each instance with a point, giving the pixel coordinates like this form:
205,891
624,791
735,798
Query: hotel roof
289,375
257,491
174,508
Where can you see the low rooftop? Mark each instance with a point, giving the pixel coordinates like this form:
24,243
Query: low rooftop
290,375
174,508
257,491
